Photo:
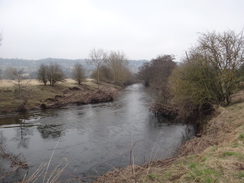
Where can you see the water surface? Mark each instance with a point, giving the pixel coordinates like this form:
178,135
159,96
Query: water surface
93,138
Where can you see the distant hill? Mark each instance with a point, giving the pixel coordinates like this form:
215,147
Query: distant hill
31,66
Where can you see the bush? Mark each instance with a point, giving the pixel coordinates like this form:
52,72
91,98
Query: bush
51,73
210,73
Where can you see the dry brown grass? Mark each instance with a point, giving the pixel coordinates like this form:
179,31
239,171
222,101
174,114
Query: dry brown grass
238,97
216,156
40,94
5,83
10,83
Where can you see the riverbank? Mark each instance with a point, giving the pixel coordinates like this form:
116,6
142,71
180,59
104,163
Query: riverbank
43,97
216,156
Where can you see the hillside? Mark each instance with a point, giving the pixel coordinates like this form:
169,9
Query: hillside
31,66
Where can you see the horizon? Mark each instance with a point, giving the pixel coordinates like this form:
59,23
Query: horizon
64,59
145,29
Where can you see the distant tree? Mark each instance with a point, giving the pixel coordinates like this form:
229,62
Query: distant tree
8,73
156,72
97,58
42,74
128,76
54,74
33,74
145,73
18,75
51,73
78,73
118,63
106,74
23,91
209,74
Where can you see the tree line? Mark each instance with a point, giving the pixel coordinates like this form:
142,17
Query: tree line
110,66
209,74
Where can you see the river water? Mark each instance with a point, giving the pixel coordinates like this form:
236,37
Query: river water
93,139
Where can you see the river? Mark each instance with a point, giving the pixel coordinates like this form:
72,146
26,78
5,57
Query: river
93,139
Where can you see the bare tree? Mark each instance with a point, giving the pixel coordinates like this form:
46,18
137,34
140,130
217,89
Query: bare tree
97,58
23,91
211,72
225,53
8,73
118,63
78,73
106,74
18,75
145,73
156,72
24,95
42,74
51,73
55,74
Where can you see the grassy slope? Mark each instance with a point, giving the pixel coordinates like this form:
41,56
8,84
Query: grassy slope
38,93
216,156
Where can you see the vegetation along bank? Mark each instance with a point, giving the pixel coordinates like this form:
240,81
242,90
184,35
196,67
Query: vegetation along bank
52,89
205,89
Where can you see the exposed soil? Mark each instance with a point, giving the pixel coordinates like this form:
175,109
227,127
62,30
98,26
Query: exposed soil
45,97
80,95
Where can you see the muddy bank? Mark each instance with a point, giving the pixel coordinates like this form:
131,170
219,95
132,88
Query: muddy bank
189,114
46,97
80,95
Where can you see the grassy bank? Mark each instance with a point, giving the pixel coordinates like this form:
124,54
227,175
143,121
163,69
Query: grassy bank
61,94
216,156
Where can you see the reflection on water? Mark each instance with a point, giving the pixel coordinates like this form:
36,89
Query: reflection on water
94,138
50,131
23,136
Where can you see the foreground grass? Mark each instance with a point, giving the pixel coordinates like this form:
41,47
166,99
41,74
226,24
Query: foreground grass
216,156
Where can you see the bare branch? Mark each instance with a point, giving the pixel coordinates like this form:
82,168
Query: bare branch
97,58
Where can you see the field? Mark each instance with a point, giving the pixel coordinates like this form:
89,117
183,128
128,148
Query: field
7,84
50,96
11,83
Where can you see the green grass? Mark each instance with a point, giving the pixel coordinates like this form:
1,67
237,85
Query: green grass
202,174
152,176
241,175
229,153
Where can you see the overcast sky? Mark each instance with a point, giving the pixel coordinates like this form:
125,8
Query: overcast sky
143,29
